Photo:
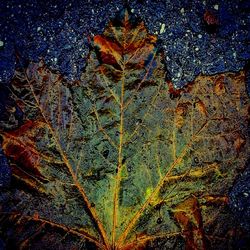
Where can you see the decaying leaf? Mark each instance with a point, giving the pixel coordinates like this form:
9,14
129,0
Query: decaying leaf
119,159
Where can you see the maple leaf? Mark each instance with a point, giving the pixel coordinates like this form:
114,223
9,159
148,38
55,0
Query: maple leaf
120,159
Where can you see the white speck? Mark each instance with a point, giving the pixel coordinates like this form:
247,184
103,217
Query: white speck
199,36
182,10
162,30
168,59
196,49
234,54
216,6
178,74
12,15
38,29
93,11
1,43
55,59
245,194
156,32
132,10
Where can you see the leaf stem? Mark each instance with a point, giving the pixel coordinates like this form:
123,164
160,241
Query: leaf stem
119,167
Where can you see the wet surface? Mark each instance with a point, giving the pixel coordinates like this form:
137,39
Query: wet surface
197,37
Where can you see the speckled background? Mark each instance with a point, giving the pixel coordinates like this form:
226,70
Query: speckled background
205,37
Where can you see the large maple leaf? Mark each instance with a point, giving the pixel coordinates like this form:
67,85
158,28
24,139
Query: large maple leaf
120,159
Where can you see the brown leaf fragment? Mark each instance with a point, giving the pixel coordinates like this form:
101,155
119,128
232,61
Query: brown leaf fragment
239,142
19,146
201,107
189,217
219,87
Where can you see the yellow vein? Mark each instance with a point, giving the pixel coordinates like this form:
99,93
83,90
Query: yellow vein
119,170
139,85
74,177
103,130
157,188
150,105
110,90
68,229
143,239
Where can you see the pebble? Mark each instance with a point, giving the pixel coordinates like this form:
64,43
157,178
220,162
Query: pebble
216,6
162,30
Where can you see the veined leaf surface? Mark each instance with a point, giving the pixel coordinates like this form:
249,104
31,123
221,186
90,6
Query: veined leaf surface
120,159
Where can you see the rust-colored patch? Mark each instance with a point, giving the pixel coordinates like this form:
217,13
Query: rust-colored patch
189,217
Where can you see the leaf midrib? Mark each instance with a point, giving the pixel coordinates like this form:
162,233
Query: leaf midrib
119,167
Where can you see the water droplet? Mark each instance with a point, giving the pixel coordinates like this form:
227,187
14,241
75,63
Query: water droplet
196,160
172,96
123,160
105,153
139,121
157,207
159,220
